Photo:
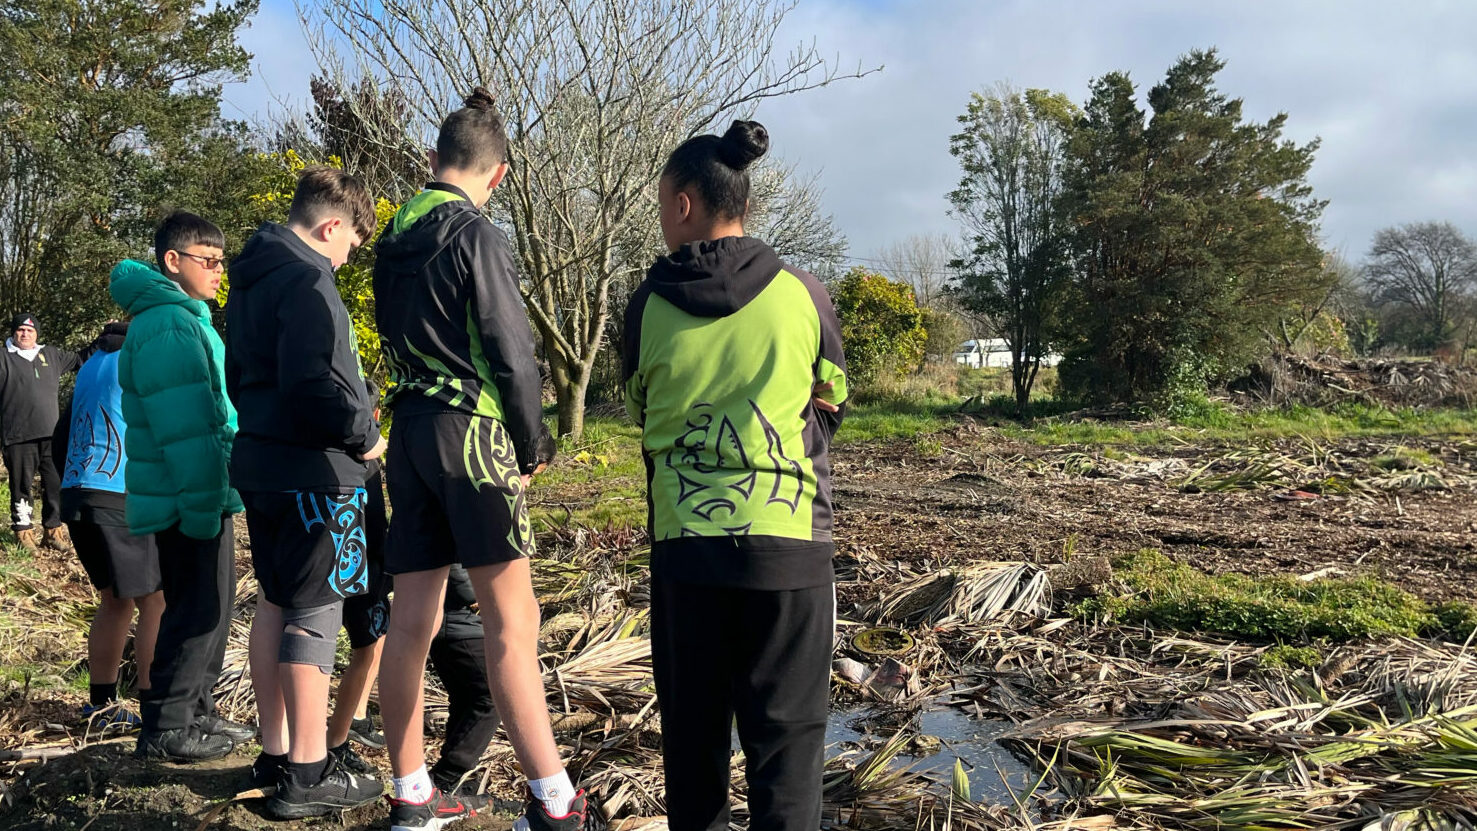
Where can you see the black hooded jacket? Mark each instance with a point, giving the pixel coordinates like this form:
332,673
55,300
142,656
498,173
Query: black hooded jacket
451,320
292,370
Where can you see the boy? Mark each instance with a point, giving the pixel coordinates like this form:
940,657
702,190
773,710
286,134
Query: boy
306,431
467,416
124,568
180,429
30,375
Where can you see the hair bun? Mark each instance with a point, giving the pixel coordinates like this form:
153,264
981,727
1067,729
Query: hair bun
480,99
743,144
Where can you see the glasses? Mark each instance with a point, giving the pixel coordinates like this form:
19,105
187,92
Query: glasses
210,263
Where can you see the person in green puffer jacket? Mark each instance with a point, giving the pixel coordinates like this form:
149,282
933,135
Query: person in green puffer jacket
180,429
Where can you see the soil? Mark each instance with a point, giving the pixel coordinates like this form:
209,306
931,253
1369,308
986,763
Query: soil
988,498
103,788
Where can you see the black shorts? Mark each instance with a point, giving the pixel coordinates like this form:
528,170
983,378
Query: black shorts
114,558
456,492
367,616
308,549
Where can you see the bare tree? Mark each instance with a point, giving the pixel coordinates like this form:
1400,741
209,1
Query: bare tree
1427,266
923,261
785,211
596,94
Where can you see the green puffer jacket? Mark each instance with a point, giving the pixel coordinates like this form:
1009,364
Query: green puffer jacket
180,422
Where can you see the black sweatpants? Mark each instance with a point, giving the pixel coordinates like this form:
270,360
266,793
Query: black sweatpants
762,659
23,461
199,587
461,664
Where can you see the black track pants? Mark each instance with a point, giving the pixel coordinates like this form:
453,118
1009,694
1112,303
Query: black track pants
23,461
762,659
199,587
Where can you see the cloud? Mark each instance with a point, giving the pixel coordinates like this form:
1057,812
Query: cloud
1387,87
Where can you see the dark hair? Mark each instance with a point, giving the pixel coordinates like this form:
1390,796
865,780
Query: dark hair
182,229
473,138
719,166
325,192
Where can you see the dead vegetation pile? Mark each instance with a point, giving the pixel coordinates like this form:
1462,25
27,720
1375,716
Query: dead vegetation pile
1325,380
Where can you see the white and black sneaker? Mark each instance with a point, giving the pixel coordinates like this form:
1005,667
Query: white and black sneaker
363,731
337,790
439,811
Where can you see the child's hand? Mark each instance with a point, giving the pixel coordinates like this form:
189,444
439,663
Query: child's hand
818,397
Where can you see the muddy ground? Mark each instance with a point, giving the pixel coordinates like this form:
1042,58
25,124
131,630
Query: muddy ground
965,494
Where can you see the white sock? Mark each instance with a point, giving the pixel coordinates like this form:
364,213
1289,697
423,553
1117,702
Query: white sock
415,788
556,792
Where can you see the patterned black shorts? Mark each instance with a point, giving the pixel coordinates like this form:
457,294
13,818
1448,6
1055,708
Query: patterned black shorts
308,549
456,494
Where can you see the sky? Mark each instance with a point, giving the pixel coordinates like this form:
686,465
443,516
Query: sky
1389,88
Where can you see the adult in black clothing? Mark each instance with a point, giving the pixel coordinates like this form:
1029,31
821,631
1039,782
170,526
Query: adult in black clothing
30,377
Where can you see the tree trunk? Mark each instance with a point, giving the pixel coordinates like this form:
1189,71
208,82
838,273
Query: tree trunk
571,382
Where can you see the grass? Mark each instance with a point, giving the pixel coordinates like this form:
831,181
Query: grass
1160,592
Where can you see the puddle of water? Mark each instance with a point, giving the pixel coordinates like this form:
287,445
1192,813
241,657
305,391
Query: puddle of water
970,740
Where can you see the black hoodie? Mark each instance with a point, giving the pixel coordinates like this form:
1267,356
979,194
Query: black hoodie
303,411
451,319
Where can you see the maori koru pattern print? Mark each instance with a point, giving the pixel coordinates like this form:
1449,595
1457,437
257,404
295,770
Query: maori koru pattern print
343,517
488,454
705,459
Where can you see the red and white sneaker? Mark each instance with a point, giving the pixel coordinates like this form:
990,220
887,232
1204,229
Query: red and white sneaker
437,812
536,817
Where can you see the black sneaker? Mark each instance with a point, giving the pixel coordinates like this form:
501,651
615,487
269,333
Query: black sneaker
536,817
452,784
216,726
350,760
337,790
437,812
184,746
266,770
362,731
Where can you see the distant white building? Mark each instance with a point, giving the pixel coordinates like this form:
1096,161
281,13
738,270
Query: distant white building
993,353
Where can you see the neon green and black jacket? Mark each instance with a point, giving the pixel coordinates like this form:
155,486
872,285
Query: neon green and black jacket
451,320
724,345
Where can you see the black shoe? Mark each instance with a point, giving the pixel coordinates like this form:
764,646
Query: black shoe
266,770
451,784
536,817
216,726
337,790
362,731
437,812
184,745
350,760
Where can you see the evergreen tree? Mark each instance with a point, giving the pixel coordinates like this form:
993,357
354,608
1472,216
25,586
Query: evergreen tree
1193,230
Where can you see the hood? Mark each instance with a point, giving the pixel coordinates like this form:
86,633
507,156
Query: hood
137,286
270,248
28,354
111,338
714,278
419,231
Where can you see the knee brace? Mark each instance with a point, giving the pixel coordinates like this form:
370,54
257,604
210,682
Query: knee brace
310,636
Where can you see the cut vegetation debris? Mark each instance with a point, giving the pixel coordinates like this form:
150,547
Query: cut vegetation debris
1014,582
